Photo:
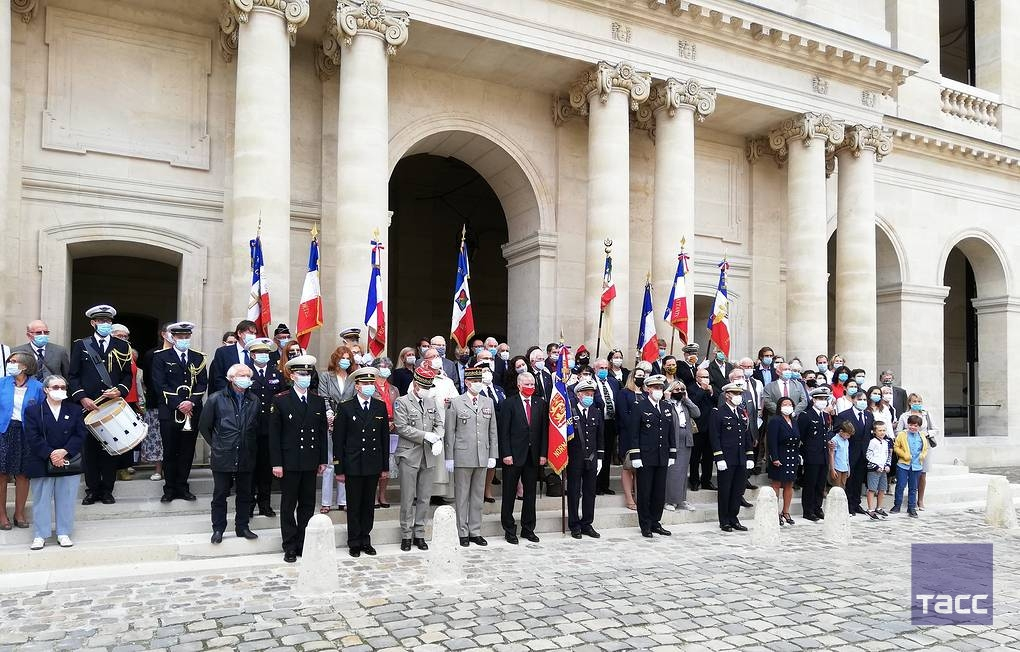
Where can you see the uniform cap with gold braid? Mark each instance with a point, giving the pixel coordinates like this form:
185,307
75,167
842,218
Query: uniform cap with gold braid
365,373
261,345
585,385
474,374
655,379
425,376
302,363
350,334
181,328
733,388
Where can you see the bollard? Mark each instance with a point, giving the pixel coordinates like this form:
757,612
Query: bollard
836,526
443,564
766,519
999,509
317,569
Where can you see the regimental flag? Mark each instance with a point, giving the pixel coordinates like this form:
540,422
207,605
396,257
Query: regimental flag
608,294
676,308
561,426
310,309
375,315
258,300
648,341
462,325
719,322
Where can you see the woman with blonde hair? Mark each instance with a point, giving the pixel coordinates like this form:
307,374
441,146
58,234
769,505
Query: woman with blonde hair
403,372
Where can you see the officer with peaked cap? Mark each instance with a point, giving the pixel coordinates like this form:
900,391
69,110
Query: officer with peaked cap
350,336
266,382
100,368
687,366
815,428
471,443
652,450
297,450
584,453
733,452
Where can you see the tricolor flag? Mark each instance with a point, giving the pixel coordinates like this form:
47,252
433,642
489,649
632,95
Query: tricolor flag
608,294
375,316
648,341
258,300
310,310
561,428
462,325
719,322
676,308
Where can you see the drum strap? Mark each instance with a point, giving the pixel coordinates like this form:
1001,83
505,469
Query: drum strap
98,360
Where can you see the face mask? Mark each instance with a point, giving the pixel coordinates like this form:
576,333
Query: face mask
304,382
441,350
639,381
662,353
887,382
767,360
822,367
436,363
410,360
583,361
811,382
877,398
570,363
539,363
617,362
787,375
422,350
42,340
261,358
243,382
464,358
477,350
795,372
58,394
602,374
103,329
526,392
13,368
821,404
656,395
345,363
861,404
476,388
670,369
485,363
504,355
859,379
720,356
358,359
916,407
293,353
248,338
843,378
748,373
587,401
736,399
367,391
487,377
887,398
493,350
555,357
182,345
520,369
787,410
424,393
385,372
283,341
850,391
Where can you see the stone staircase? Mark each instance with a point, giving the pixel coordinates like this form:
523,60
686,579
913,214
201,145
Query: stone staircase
139,528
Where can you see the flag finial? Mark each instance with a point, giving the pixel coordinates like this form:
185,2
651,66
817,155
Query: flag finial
683,242
315,232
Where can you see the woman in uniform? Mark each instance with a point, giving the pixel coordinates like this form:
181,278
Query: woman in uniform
783,442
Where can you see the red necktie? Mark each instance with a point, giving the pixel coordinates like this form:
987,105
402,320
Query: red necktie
786,389
527,410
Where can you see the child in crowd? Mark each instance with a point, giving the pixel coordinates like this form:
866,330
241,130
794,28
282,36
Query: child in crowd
911,448
879,457
839,454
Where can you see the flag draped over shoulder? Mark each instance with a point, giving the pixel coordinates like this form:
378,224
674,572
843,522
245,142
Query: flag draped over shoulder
719,322
310,309
608,294
462,325
258,301
375,315
676,308
648,341
561,428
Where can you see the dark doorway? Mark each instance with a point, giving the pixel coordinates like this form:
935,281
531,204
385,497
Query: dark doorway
144,292
960,330
432,198
956,40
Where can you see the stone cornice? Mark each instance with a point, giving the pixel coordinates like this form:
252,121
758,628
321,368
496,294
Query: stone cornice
913,293
953,148
993,305
370,16
805,128
757,147
606,78
861,138
26,8
540,244
235,12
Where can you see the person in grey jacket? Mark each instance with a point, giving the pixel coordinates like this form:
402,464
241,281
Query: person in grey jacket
683,419
229,424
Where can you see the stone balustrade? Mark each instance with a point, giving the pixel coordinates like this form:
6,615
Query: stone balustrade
968,106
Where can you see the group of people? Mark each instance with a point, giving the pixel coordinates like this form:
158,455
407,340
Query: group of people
443,427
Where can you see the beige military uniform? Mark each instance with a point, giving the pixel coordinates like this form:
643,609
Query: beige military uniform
413,419
471,441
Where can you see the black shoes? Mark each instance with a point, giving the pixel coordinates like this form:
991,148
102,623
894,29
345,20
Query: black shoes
590,532
438,500
744,503
479,541
266,510
820,514
609,492
510,538
912,513
811,517
749,485
658,529
576,534
89,499
368,549
186,495
290,556
108,499
246,533
693,486
739,527
217,536
405,545
165,498
646,534
726,528
490,500
465,540
420,544
354,552
530,536
708,486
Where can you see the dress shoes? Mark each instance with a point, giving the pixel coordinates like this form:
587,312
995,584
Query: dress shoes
609,492
368,549
266,510
165,498
726,528
89,499
744,503
693,486
576,534
405,545
511,538
646,534
217,536
354,551
740,528
590,532
479,541
246,533
530,536
658,529
187,495
108,499
811,517
420,544
750,485
820,514
490,500
708,486
290,556
464,541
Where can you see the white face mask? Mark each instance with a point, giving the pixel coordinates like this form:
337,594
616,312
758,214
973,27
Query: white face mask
58,394
410,360
821,404
617,362
504,355
787,410
436,363
487,377
736,399
656,395
476,388
424,393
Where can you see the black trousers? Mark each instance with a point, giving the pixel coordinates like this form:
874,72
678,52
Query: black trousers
858,475
298,494
812,488
731,491
99,466
651,496
701,459
222,482
178,454
581,494
262,476
607,456
360,509
527,474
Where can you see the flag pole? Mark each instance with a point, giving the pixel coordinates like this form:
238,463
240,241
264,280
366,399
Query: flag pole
672,336
608,242
563,479
637,354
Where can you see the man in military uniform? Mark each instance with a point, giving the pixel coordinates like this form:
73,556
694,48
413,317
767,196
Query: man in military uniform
471,446
815,428
584,453
180,378
100,369
297,450
652,449
361,449
733,451
420,425
267,382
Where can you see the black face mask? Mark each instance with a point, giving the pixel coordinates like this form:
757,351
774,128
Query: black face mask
810,382
464,359
583,361
293,353
639,381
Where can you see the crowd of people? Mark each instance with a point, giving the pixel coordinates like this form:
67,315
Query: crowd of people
450,429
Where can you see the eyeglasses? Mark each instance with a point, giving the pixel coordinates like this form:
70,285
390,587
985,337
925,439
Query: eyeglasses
57,387
38,332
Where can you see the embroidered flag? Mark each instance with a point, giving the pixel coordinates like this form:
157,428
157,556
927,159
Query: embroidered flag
719,322
310,309
561,428
375,315
258,300
462,325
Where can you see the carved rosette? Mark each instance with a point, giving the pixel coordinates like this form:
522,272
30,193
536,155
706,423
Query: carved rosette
355,16
24,7
757,148
606,78
235,12
860,138
673,95
806,128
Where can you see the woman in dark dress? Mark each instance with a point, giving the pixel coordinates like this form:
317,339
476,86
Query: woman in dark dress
784,452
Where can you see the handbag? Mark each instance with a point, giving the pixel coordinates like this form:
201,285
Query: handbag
71,466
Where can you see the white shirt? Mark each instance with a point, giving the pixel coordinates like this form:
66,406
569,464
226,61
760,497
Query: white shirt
19,401
54,410
102,341
240,352
301,393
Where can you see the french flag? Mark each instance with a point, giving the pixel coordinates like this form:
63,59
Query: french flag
375,315
648,340
258,300
310,310
462,324
676,308
719,322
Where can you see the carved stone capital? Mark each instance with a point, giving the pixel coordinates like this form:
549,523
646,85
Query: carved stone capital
672,95
327,55
24,7
563,111
605,78
235,12
861,138
358,16
757,148
806,128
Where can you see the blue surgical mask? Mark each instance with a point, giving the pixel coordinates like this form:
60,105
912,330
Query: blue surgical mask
304,382
876,398
385,372
587,401
822,367
787,374
345,363
243,382
441,350
843,378
916,407
861,405
493,350
602,374
555,357
859,379
248,338
262,358
850,391
767,360
103,329
182,345
720,356
662,353
40,340
367,390
283,341
13,368
477,350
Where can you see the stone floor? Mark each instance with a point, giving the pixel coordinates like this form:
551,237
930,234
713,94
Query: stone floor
700,589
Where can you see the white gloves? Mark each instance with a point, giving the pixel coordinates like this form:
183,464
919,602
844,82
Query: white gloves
432,437
598,467
750,464
437,448
671,462
491,463
449,466
721,465
636,464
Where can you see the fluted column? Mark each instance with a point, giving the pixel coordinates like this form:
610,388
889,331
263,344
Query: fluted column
856,307
803,141
364,35
607,93
670,113
259,33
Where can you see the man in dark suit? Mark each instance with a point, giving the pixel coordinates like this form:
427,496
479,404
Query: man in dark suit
585,455
764,370
543,379
181,380
652,449
523,427
231,354
888,379
298,427
733,451
361,448
607,399
100,367
449,366
502,358
266,382
719,371
814,427
687,365
863,421
51,358
702,394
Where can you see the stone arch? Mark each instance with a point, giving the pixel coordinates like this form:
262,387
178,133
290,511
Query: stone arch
986,256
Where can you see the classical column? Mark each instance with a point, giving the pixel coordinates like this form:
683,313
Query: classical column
856,307
607,93
363,35
260,33
670,113
803,141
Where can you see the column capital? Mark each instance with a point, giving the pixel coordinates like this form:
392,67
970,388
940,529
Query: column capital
26,8
673,94
355,17
861,138
235,12
563,111
757,148
606,78
806,127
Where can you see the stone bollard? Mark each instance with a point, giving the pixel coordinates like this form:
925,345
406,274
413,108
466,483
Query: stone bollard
444,559
317,569
836,525
999,509
766,519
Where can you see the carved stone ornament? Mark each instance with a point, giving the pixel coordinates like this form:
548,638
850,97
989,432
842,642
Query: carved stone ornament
819,85
620,32
673,94
327,55
806,127
757,148
24,7
860,138
687,50
294,12
605,78
563,111
868,99
353,16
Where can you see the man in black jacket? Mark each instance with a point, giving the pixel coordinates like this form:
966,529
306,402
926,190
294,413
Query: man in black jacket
523,442
267,382
229,424
585,452
652,448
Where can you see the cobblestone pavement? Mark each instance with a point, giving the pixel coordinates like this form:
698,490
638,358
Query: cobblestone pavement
700,589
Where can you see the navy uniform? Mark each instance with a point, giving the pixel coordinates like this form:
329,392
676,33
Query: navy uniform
585,452
297,451
179,375
266,382
815,429
652,449
733,450
99,363
361,451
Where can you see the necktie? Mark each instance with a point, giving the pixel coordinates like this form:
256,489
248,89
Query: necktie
184,359
247,359
527,410
491,395
102,345
364,406
786,388
40,353
262,375
421,404
860,417
607,396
